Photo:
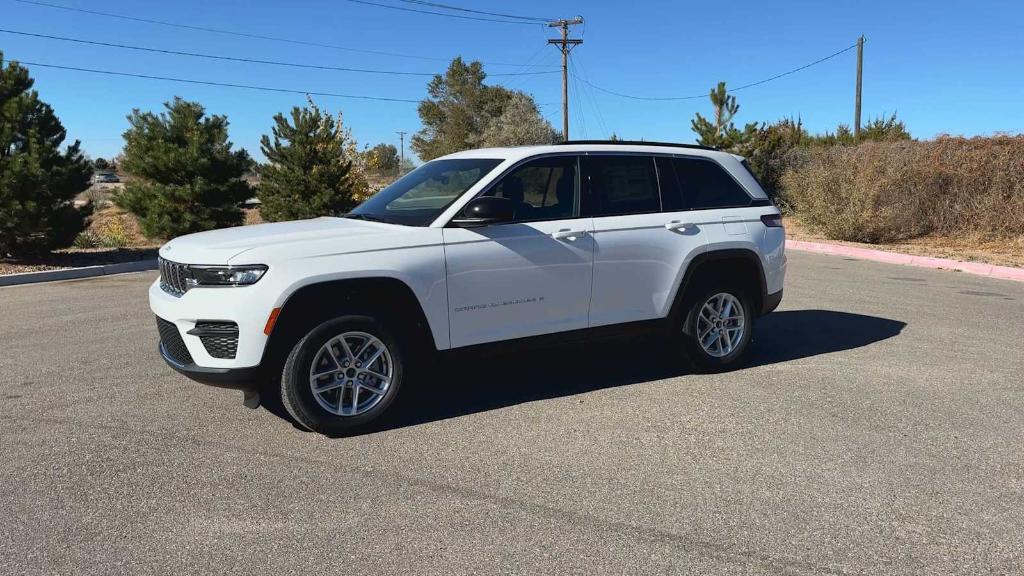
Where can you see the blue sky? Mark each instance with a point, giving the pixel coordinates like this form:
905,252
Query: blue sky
944,67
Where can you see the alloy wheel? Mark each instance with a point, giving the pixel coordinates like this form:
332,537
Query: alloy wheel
721,324
351,373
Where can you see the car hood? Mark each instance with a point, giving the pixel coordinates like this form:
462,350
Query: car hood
301,238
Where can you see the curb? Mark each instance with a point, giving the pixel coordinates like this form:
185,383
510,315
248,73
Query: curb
76,273
976,268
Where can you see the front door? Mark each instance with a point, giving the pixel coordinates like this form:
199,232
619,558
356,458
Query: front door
528,277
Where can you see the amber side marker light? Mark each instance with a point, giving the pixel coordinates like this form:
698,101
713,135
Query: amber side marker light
271,321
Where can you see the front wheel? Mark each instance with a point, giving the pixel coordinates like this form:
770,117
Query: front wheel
718,327
342,375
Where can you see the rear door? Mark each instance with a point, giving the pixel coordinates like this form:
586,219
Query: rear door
643,235
528,277
730,216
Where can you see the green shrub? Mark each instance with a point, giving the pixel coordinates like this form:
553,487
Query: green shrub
310,169
186,177
85,239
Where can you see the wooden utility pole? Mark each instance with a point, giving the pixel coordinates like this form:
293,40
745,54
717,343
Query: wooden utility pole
401,161
860,70
566,45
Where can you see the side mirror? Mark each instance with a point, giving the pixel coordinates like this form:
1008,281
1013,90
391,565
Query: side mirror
485,210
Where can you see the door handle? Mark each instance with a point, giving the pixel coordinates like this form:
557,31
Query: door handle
677,225
567,234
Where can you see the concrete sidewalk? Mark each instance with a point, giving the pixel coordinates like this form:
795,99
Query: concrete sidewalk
978,268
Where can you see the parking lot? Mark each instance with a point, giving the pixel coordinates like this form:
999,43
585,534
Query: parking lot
877,429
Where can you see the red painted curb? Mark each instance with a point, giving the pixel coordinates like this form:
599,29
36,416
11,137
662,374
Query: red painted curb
977,268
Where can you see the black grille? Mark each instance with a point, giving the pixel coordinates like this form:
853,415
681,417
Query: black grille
219,338
171,340
173,277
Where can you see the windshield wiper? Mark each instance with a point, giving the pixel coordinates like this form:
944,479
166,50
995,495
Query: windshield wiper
369,217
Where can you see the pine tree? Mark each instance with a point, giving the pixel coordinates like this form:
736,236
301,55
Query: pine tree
186,177
311,167
721,133
37,181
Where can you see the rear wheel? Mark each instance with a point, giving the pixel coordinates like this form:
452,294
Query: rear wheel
342,375
718,326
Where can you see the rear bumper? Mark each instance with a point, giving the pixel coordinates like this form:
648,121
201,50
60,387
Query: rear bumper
237,378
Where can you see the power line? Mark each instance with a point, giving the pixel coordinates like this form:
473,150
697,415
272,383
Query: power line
518,81
244,34
577,98
460,9
752,84
590,93
461,17
250,60
222,84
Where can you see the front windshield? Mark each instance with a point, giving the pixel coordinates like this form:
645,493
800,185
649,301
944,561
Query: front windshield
419,197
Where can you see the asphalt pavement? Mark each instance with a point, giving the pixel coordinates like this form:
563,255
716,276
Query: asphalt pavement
877,428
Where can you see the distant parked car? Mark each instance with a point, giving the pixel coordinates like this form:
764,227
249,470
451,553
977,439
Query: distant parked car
105,178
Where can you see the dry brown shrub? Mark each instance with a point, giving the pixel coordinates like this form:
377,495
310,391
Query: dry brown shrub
112,227
888,192
252,216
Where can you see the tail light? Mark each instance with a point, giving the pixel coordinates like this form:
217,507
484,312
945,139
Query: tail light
772,220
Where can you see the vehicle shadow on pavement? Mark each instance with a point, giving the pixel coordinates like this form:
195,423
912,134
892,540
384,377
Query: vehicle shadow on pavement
468,383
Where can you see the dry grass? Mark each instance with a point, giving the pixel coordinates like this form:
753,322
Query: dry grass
112,227
971,190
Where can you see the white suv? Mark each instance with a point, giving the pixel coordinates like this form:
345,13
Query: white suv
476,247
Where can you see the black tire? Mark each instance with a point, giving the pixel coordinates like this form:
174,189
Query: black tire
297,395
701,359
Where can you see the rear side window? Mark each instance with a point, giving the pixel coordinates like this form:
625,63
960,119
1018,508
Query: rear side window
705,184
621,185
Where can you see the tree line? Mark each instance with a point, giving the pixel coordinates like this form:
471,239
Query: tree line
185,175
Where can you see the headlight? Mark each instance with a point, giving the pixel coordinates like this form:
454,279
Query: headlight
225,275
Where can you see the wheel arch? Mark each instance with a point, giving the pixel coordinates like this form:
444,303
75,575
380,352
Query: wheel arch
734,263
311,304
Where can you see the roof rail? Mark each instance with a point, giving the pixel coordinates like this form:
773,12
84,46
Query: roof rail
637,143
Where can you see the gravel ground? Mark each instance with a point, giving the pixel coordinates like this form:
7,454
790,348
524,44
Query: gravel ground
876,429
76,258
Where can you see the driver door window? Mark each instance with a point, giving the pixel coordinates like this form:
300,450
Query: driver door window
543,189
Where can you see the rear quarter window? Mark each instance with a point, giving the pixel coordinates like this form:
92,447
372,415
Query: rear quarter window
706,185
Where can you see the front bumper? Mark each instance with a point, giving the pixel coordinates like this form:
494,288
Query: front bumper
247,307
237,378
